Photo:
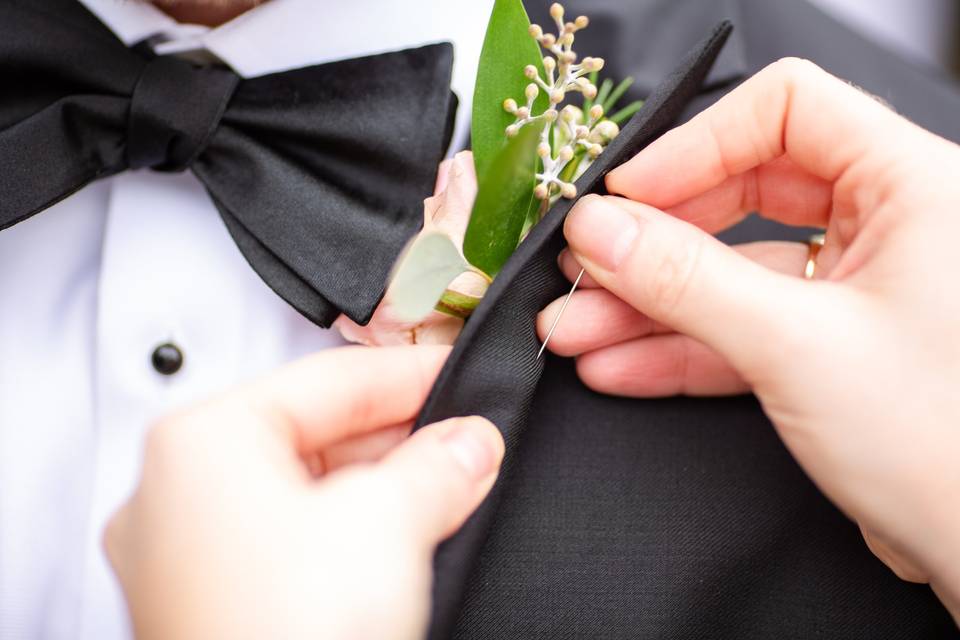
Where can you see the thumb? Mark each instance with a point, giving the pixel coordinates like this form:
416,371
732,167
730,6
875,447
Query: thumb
684,278
443,472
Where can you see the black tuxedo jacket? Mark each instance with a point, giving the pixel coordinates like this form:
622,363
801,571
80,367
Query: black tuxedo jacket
674,518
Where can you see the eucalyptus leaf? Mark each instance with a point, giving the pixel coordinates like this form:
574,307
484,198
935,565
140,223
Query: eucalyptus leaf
504,198
427,266
507,49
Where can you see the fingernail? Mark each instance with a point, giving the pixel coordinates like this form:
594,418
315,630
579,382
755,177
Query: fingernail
471,450
601,232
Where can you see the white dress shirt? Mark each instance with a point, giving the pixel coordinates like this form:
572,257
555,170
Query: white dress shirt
90,287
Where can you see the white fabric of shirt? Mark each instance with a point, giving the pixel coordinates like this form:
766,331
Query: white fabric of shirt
91,286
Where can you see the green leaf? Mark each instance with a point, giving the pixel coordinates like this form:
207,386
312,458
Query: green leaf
507,49
503,200
427,266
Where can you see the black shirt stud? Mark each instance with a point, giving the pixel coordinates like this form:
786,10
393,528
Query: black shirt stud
167,359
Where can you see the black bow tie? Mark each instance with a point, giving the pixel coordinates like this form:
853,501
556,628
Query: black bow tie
319,173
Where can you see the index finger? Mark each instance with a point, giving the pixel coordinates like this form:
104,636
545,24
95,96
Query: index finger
791,108
344,392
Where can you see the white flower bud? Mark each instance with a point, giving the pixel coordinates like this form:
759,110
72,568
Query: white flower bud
548,40
513,130
581,22
569,27
595,150
582,132
530,71
550,115
604,132
510,105
556,11
566,39
593,64
569,113
540,192
596,111
566,153
608,129
549,64
532,91
535,31
543,150
568,190
590,91
569,57
557,96
523,113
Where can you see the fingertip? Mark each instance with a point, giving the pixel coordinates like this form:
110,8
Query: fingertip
443,176
545,320
617,181
475,444
571,267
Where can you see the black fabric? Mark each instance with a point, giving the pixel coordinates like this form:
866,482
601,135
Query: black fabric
493,370
319,173
174,110
675,518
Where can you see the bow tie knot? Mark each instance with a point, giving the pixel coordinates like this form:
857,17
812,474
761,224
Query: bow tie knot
174,111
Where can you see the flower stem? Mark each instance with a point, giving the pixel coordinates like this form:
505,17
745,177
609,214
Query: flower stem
456,304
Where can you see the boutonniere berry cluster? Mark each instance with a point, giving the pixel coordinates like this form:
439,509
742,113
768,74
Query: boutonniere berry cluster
540,117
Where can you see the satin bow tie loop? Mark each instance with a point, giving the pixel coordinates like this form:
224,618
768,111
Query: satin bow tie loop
174,111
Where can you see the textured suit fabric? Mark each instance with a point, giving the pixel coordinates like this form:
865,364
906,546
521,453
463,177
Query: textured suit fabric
674,518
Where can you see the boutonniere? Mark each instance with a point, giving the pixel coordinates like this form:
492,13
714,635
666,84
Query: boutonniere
540,117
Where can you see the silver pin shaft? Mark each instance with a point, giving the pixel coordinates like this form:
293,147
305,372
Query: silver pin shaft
556,320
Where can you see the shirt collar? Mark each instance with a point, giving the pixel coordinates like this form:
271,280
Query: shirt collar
287,34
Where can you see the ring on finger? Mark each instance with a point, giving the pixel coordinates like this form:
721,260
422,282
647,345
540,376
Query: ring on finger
814,245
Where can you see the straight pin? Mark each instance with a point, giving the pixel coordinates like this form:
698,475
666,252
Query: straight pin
556,320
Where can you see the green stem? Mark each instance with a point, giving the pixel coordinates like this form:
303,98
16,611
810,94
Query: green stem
604,91
616,94
587,102
624,114
570,171
456,304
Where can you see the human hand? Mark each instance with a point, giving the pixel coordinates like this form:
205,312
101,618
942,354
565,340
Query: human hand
859,369
447,211
296,507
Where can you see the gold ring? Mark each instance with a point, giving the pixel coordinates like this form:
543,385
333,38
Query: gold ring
814,244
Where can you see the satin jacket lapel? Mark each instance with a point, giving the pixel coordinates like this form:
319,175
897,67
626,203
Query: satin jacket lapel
493,370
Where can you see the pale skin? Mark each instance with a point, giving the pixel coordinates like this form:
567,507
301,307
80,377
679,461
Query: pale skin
297,507
207,12
859,369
